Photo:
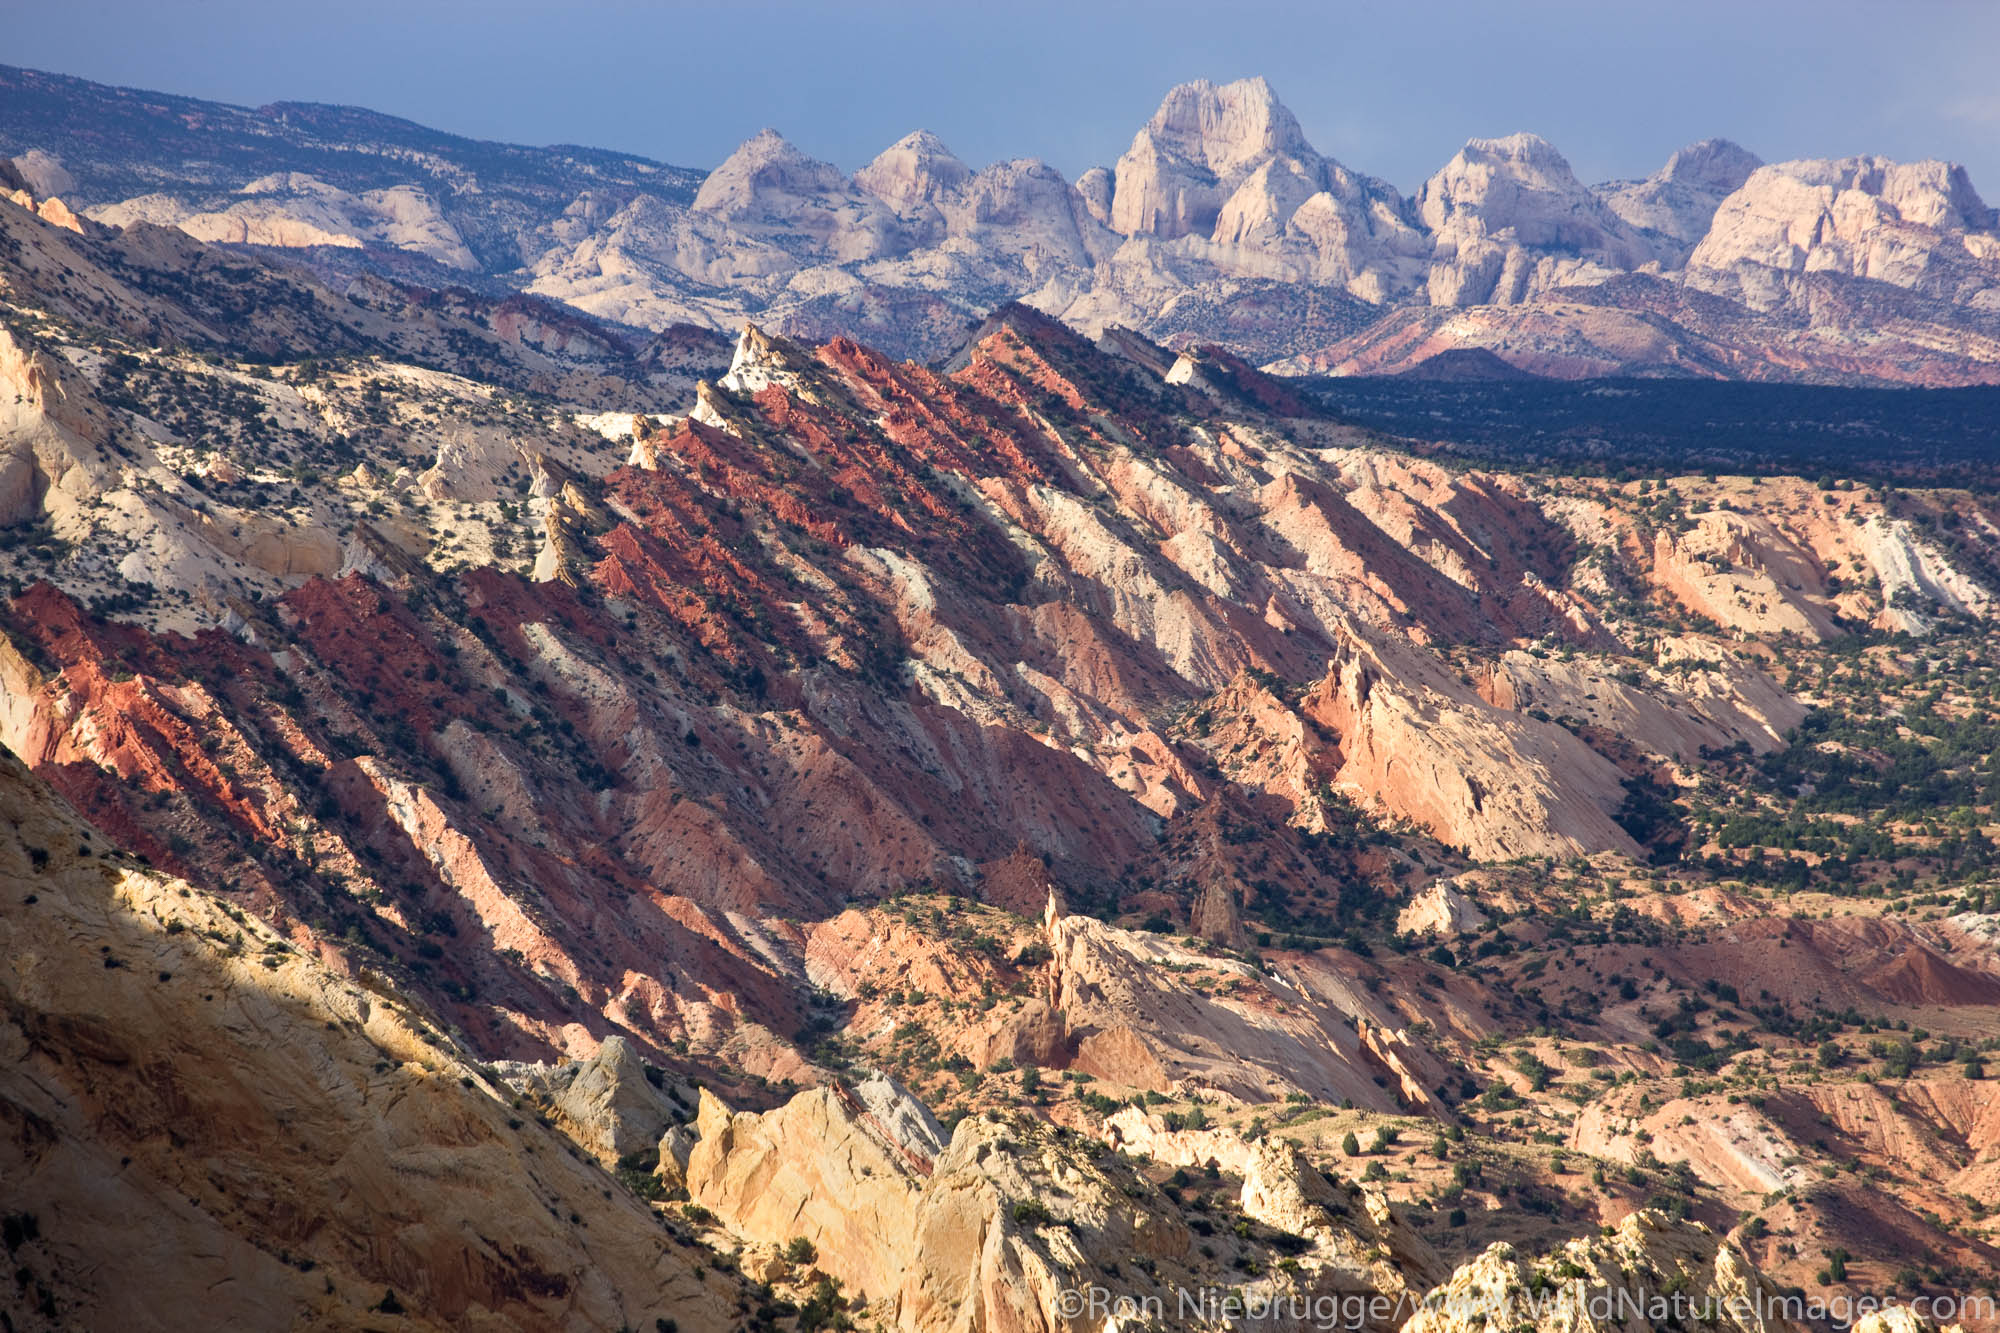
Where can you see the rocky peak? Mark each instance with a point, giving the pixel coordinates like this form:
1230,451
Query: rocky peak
1510,220
1716,164
762,359
1023,194
765,163
1249,237
1198,147
1866,217
1679,200
770,210
890,1107
1226,128
607,1103
1496,178
912,171
1930,193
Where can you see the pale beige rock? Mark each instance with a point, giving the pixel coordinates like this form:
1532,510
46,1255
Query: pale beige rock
1418,743
1702,696
292,210
1509,220
817,1167
1918,225
1647,1261
44,173
605,1101
51,435
1261,1039
1439,909
1173,179
910,174
1355,1228
1219,200
676,1151
1902,1319
1014,1213
1221,183
1679,200
768,186
219,1112
1916,578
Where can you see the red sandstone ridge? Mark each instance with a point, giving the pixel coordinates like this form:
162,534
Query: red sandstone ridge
856,627
1063,739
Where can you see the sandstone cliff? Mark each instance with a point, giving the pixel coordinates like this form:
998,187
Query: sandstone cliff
236,1128
1221,222
1510,221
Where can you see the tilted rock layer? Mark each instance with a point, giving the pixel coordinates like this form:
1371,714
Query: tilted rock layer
950,822
241,1130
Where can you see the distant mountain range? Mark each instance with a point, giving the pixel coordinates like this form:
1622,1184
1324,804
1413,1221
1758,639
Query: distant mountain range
1221,224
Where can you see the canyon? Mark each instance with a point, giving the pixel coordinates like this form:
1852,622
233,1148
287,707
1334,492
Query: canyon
518,824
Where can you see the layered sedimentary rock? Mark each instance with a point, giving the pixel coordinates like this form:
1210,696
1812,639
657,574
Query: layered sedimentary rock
1221,222
1062,731
1009,629
237,1128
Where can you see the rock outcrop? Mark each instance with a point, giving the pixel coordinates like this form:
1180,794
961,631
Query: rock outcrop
293,210
1263,1038
1647,1271
824,1167
1422,746
1679,200
610,1103
1220,223
1439,909
232,1126
835,681
1511,221
52,461
1012,1215
1056,729
1074,618
1915,225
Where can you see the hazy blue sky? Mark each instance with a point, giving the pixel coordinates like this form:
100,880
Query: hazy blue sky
1389,88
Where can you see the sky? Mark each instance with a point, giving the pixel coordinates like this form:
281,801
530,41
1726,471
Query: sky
1391,89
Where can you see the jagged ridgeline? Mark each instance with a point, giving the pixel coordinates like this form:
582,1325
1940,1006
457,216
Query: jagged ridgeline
517,832
1221,223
